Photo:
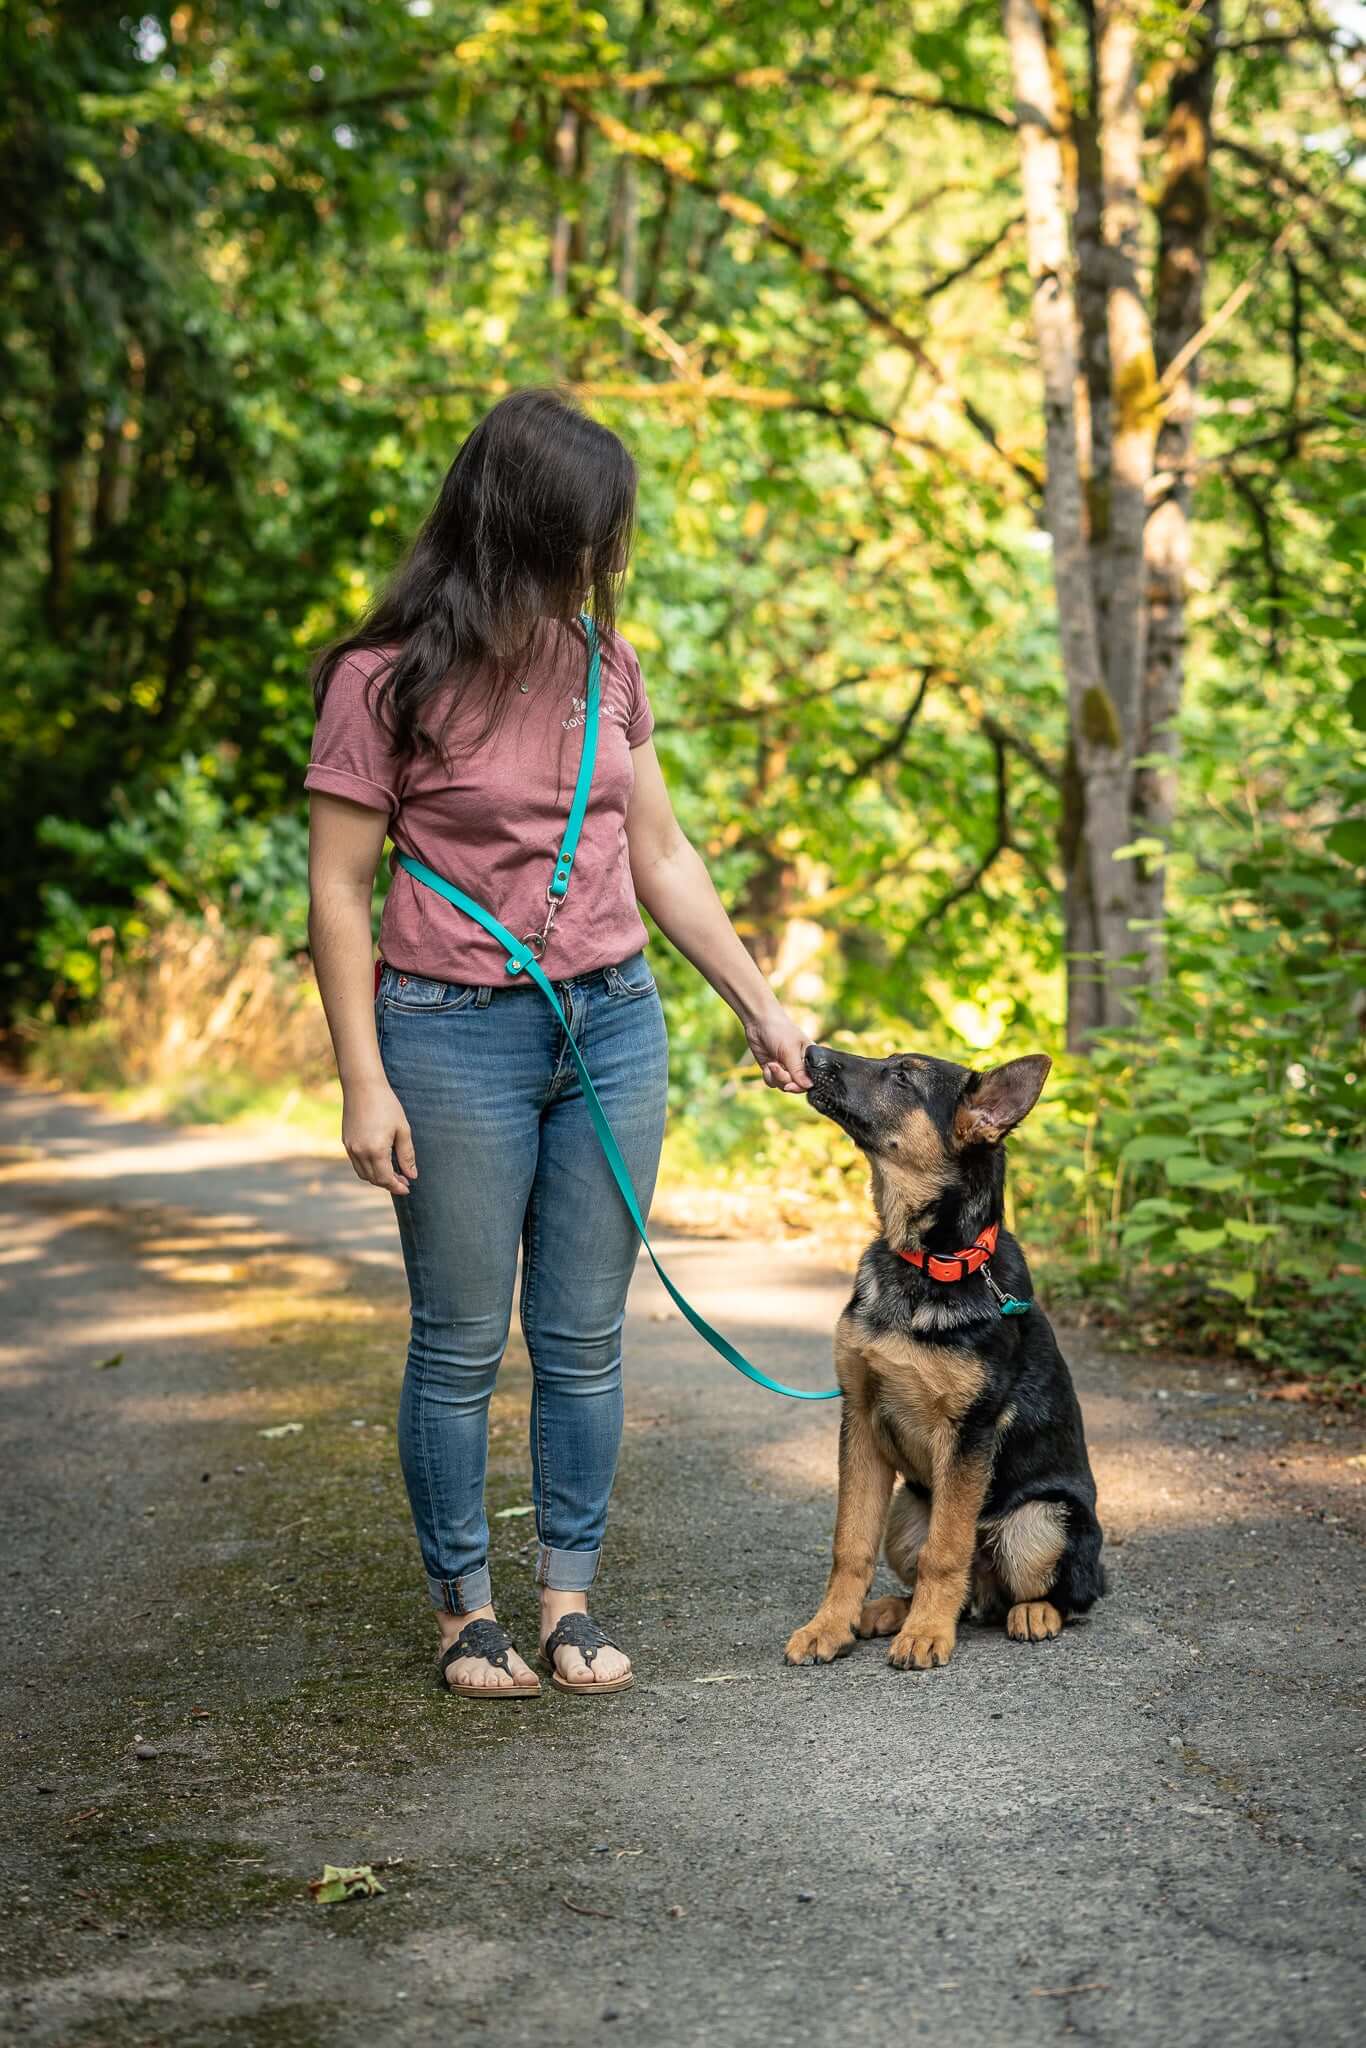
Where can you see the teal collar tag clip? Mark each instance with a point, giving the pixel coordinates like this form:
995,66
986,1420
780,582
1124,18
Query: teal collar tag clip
1009,1304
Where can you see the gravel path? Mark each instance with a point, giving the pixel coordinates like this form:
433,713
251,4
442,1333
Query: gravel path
1146,1832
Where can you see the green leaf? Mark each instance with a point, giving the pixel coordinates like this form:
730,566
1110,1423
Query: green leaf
1249,1233
1241,1285
1190,1171
1199,1241
1138,1150
1348,841
1300,1148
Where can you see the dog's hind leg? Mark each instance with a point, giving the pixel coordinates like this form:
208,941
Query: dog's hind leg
1028,1546
908,1523
882,1617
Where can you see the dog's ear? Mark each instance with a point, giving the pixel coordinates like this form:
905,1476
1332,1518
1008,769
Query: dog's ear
993,1103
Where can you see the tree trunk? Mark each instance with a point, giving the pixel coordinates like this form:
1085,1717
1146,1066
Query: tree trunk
1182,217
626,205
66,446
770,887
1093,416
1133,382
562,233
1097,737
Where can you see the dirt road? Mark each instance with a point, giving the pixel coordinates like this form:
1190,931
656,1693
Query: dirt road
216,1664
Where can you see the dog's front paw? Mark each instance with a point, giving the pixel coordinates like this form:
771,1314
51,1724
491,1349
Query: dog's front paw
1033,1621
820,1642
922,1648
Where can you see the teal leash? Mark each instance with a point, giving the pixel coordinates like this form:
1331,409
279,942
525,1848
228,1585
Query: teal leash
524,958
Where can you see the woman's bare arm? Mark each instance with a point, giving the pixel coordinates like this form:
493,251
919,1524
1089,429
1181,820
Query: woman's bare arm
345,841
672,882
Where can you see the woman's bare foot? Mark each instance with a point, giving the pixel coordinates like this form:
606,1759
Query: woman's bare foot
477,1671
609,1663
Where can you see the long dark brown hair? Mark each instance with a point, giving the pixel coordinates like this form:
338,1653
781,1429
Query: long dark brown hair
533,524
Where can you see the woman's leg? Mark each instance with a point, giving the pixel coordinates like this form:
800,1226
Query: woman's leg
579,1252
471,1077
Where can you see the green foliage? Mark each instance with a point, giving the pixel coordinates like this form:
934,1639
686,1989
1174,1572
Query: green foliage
172,845
266,265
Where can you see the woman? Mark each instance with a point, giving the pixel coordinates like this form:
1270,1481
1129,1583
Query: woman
452,721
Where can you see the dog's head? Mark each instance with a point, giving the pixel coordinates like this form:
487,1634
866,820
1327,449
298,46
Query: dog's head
931,1131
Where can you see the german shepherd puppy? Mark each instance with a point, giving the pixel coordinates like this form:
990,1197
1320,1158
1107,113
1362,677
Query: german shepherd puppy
948,1381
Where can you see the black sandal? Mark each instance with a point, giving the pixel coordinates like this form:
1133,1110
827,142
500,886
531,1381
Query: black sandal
484,1638
580,1632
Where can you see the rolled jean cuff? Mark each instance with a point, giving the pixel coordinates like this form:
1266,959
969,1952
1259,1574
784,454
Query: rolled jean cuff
462,1595
566,1571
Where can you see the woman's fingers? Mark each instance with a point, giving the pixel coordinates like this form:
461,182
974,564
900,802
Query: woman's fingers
375,1163
404,1153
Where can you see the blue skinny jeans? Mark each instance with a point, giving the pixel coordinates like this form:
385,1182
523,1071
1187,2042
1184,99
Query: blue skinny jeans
507,1157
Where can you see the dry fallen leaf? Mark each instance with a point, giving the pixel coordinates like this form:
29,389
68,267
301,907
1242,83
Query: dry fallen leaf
282,1429
108,1364
506,1514
721,1678
354,1881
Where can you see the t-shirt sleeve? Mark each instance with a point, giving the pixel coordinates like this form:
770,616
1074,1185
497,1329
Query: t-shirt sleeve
353,753
640,719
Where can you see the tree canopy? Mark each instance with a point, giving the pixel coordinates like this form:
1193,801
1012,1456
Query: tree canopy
994,375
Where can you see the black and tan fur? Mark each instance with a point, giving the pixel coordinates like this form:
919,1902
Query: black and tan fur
973,1411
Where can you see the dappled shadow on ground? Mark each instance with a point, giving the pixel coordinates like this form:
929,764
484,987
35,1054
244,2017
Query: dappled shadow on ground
1169,1779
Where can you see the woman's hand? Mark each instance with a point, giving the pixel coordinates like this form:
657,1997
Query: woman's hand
779,1047
375,1132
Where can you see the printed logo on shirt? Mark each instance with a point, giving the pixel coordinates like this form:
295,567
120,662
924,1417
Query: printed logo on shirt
579,711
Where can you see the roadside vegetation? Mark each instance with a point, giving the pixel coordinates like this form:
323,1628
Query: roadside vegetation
1003,725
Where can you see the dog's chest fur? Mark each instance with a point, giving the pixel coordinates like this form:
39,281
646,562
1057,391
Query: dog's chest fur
915,1393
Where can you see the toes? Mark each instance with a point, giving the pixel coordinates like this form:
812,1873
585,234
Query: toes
473,1671
1033,1621
819,1643
925,1651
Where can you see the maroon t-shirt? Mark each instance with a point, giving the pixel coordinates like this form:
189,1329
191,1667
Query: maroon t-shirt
491,815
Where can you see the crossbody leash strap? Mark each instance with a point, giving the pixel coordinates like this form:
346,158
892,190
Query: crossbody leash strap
523,958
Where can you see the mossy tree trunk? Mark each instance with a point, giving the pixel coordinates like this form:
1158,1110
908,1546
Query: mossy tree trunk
1183,205
1099,887
1103,405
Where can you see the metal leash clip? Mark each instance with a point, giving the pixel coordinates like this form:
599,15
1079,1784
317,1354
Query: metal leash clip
538,941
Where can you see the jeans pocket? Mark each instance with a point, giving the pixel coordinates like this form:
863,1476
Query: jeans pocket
630,980
416,992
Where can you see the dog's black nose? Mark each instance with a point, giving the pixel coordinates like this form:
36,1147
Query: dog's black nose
819,1059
